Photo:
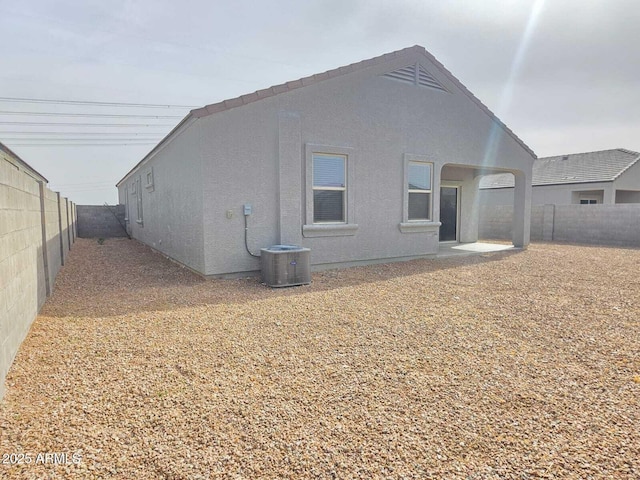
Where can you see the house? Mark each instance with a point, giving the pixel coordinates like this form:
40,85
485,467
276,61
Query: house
608,177
372,162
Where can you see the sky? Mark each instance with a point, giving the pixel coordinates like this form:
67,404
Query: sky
563,75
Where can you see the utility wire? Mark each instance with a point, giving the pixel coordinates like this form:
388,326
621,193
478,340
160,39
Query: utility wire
89,124
79,144
85,139
74,186
86,102
14,132
103,115
86,184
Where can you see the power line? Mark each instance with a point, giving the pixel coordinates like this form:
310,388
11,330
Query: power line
40,124
96,139
79,144
86,102
86,184
103,115
14,132
53,187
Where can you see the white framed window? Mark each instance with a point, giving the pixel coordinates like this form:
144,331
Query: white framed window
149,180
329,188
139,200
419,191
421,179
588,197
329,172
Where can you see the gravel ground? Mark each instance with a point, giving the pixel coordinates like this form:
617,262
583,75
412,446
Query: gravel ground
500,366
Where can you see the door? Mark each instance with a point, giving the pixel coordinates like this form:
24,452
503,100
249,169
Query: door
449,214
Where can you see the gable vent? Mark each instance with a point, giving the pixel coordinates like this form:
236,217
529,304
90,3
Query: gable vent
417,75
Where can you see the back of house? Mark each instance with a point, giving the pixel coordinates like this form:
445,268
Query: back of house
376,161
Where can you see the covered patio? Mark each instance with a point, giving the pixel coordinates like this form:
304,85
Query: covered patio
457,206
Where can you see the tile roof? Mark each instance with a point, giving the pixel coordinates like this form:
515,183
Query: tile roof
603,166
11,153
320,77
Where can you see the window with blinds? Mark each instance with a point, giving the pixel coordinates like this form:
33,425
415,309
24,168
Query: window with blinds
329,188
419,186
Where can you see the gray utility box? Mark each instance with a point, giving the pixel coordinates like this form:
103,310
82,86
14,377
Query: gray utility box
285,265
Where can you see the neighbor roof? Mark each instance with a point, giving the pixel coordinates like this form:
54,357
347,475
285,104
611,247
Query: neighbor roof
603,166
25,165
313,79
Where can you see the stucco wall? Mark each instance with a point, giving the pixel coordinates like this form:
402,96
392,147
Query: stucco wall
256,154
31,249
172,209
629,179
380,120
616,225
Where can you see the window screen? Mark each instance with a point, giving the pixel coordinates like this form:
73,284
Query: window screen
329,188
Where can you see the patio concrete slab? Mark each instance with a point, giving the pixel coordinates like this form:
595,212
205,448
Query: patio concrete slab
451,249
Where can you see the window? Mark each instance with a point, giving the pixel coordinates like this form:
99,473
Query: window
419,189
586,201
329,188
149,177
329,191
139,200
417,195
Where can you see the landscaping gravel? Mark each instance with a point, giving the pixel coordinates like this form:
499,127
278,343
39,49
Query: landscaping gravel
511,365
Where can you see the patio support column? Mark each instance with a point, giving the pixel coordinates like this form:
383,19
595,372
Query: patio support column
521,209
469,210
609,195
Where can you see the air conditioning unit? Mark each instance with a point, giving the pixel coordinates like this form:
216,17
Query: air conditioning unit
285,265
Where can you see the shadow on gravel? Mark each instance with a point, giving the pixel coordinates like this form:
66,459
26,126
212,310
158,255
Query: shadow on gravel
123,276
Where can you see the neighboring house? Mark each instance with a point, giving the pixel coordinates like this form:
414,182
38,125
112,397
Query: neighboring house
609,176
376,161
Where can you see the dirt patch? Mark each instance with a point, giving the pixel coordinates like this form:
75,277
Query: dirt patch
506,365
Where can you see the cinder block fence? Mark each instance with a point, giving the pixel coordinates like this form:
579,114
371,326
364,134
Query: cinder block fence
101,221
615,225
37,229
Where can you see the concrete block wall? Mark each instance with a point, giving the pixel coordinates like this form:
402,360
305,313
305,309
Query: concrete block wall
608,224
495,222
101,221
31,253
52,230
616,225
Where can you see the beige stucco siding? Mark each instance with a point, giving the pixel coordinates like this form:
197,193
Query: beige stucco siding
381,120
172,210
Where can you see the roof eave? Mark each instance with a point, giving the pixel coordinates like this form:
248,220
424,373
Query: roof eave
316,78
160,144
631,164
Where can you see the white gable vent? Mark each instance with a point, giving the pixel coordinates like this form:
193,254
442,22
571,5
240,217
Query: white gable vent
417,75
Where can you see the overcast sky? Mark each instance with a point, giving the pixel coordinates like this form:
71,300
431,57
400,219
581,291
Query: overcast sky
563,75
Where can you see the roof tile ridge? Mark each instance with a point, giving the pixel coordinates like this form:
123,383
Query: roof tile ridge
626,150
631,164
298,83
589,153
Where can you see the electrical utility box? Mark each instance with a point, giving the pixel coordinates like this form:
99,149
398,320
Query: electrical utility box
285,265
